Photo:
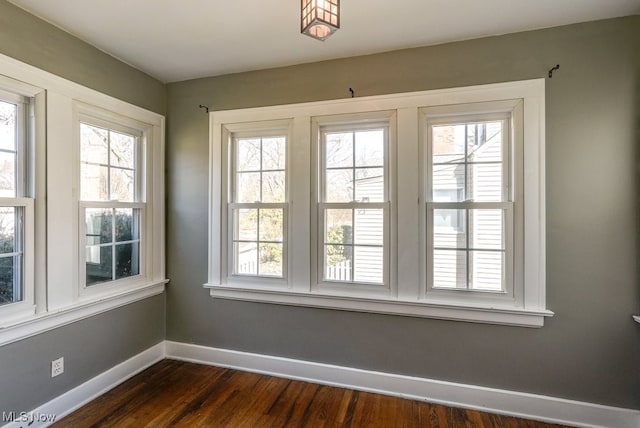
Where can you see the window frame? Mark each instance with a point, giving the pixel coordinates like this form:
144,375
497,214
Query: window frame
407,295
510,111
352,122
29,100
265,129
111,121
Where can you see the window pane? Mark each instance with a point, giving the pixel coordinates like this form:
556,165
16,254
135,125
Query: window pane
273,186
339,185
370,148
246,257
246,225
449,269
8,236
123,150
339,150
127,260
370,184
449,229
99,226
8,114
94,182
7,174
484,142
270,260
487,270
368,264
248,154
369,227
94,144
248,187
448,143
271,225
338,226
127,224
99,266
10,286
273,153
486,228
448,183
337,262
122,185
485,182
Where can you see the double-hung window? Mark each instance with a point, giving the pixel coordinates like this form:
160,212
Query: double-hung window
257,201
426,204
112,207
472,185
353,201
16,205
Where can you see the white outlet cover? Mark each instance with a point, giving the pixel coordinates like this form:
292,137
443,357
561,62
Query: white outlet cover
57,367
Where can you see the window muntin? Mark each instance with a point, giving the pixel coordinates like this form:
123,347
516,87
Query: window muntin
469,208
112,244
258,204
354,207
112,210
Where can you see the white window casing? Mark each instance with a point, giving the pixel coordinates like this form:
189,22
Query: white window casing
407,289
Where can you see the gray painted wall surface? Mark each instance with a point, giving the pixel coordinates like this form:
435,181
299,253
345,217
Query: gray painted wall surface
38,43
96,344
89,347
589,351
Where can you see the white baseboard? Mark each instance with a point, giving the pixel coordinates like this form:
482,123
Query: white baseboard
530,406
91,389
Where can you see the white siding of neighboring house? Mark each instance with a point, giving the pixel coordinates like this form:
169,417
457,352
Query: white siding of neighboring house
368,229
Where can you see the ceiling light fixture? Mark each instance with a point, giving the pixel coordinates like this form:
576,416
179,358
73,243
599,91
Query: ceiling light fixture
320,18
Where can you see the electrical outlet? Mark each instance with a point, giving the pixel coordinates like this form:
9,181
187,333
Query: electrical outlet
57,367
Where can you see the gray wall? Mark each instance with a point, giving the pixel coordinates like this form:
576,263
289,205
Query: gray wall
89,347
96,344
589,351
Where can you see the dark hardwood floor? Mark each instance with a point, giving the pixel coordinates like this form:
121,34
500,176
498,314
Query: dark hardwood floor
174,393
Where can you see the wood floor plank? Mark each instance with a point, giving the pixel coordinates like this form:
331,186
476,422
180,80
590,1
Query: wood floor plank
179,394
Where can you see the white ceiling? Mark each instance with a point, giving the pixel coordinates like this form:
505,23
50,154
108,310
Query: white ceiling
175,40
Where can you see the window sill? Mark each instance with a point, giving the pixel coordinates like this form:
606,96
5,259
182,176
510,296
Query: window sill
414,308
50,320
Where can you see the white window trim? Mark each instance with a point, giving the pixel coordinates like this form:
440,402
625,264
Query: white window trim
56,294
407,298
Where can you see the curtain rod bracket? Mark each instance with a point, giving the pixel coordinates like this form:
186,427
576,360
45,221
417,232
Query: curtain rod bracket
552,70
204,107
